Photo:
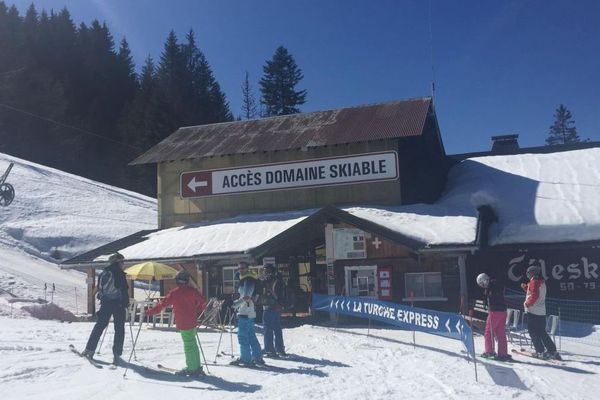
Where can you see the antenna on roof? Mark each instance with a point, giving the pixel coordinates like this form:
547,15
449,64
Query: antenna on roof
431,49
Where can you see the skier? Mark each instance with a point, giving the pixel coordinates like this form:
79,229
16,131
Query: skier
250,351
496,320
535,309
187,302
272,302
114,299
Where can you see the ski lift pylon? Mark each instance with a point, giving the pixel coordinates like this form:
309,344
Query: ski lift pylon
7,192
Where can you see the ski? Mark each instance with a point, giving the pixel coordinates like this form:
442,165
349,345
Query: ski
511,361
174,371
526,353
287,356
163,368
264,367
91,360
484,359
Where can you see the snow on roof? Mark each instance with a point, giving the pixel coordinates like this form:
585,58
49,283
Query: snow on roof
538,198
430,224
236,234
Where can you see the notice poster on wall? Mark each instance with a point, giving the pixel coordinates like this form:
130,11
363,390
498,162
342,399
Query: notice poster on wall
349,243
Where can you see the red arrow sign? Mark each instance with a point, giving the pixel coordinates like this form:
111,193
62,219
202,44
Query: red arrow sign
195,184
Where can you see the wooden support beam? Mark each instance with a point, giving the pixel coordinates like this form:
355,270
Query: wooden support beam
91,290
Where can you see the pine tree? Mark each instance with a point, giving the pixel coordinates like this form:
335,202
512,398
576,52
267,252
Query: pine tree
248,102
207,102
171,78
126,71
563,130
281,75
145,123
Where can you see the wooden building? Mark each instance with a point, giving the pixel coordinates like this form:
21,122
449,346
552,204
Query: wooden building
389,153
286,190
385,154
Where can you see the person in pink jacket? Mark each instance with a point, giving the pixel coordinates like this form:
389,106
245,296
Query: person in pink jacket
535,309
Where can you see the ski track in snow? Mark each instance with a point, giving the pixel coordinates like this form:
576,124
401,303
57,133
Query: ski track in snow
342,364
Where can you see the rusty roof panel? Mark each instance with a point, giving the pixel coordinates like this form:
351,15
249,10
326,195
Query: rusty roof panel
347,125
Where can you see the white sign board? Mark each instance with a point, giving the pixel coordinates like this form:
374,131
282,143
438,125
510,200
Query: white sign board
268,260
349,244
359,168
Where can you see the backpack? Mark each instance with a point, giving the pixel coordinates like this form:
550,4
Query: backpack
106,287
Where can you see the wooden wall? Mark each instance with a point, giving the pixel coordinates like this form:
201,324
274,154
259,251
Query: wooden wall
176,211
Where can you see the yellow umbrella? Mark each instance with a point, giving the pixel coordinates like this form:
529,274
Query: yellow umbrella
150,271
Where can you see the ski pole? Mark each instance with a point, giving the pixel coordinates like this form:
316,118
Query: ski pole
134,342
131,331
201,351
231,331
102,340
218,346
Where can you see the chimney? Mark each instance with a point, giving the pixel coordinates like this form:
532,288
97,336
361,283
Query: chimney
505,144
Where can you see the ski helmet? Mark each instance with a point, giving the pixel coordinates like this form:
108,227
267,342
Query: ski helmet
182,277
483,280
534,271
116,257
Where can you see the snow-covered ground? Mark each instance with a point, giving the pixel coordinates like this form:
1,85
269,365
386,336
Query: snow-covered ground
56,215
342,364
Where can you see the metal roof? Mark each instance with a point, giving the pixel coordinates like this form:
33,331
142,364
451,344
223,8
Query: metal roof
347,125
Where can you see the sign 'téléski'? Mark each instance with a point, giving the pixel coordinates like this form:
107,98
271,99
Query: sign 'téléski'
360,168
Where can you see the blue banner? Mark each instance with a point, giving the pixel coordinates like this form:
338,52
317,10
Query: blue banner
449,325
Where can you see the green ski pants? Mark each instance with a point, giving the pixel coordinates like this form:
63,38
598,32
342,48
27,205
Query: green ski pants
190,348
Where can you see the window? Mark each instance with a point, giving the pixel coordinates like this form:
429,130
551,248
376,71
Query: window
360,281
229,280
423,286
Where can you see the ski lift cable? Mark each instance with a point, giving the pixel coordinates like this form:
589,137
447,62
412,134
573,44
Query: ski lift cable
68,126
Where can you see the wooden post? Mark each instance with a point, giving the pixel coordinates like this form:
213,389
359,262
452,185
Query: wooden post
91,290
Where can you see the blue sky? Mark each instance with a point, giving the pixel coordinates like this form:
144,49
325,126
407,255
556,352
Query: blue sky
500,66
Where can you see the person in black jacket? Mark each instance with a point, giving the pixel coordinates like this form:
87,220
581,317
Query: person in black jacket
495,324
114,299
272,299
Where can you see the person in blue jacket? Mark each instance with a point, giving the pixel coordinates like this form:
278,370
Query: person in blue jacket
250,351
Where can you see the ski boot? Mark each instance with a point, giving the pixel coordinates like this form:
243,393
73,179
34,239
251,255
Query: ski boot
87,353
503,357
240,363
551,356
258,361
488,355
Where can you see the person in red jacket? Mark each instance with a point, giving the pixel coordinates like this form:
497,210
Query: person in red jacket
535,309
187,302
